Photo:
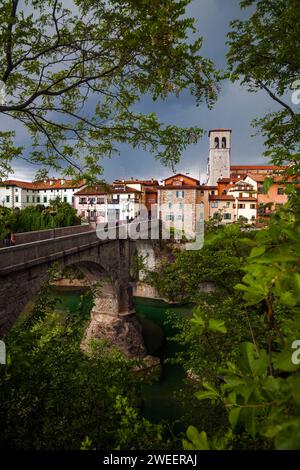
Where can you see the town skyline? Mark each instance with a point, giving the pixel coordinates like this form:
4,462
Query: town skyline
235,108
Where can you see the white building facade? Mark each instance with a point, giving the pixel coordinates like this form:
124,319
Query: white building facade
21,194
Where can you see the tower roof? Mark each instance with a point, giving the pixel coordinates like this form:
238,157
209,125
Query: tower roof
219,130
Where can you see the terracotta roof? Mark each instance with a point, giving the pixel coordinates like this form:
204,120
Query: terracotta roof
19,184
183,175
136,181
277,178
53,183
249,199
232,179
256,167
99,190
222,197
178,188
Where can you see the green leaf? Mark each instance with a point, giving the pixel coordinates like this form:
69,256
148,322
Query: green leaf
283,361
234,416
257,251
209,393
253,361
199,440
217,326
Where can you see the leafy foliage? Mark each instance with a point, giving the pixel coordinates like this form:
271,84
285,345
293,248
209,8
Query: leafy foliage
264,55
74,78
53,396
59,214
260,389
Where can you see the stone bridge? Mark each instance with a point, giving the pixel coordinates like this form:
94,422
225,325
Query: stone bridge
24,269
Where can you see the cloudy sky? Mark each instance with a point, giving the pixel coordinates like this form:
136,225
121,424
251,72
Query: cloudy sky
234,109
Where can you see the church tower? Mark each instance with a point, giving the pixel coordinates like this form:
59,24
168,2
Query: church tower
219,155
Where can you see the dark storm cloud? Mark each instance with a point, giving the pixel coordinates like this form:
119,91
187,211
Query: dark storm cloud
234,109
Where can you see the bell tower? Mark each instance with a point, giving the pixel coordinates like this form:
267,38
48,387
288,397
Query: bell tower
219,155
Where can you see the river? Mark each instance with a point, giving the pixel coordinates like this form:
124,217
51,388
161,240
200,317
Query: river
159,401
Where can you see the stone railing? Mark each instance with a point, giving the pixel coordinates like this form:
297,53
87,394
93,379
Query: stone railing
29,237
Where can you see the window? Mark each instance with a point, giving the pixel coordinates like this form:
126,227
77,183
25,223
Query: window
201,205
260,189
170,217
180,194
16,190
227,216
7,187
212,193
280,191
17,198
224,143
82,200
224,192
252,206
27,199
38,199
45,199
242,206
7,198
180,205
65,199
217,143
214,204
201,192
33,198
170,205
180,217
227,204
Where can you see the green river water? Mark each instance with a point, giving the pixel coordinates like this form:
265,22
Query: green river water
159,400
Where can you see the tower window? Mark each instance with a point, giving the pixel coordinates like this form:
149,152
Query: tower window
224,143
217,143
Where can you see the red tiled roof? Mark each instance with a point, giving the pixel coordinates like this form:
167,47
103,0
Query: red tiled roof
53,183
278,179
233,179
136,181
183,175
100,190
249,199
256,167
222,197
178,188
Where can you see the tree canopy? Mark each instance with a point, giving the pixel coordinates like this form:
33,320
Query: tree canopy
264,54
72,76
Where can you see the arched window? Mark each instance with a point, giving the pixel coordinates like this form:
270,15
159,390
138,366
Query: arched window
223,142
217,143
224,192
